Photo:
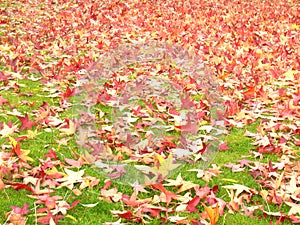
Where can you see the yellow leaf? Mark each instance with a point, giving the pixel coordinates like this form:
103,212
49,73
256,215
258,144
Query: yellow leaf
5,48
184,185
25,156
264,194
230,180
70,130
31,134
79,32
295,27
159,158
12,141
165,165
53,170
158,67
290,74
278,181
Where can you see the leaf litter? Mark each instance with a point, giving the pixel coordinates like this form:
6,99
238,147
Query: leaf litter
251,47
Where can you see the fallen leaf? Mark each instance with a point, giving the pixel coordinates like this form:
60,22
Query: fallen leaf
71,178
295,208
8,130
213,213
67,128
91,205
26,123
16,148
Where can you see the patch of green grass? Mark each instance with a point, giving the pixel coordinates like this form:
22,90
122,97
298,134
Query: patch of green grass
8,198
238,219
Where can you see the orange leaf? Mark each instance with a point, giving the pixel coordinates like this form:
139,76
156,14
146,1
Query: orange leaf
213,213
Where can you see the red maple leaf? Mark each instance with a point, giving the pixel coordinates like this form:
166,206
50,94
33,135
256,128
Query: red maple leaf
46,219
126,215
22,211
132,201
69,92
223,146
19,186
192,204
186,102
26,123
191,127
250,93
3,77
169,195
51,154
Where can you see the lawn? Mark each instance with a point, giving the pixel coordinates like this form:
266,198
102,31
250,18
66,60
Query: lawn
149,112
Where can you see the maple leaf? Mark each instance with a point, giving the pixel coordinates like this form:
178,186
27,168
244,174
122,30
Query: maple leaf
31,134
16,219
71,178
26,123
168,195
132,201
138,188
235,167
69,92
223,146
3,77
238,187
22,211
295,208
191,207
63,141
186,102
191,126
292,187
155,211
49,219
213,213
20,186
76,163
62,207
16,148
161,170
111,195
250,93
178,219
51,154
179,182
165,166
8,130
128,215
37,188
67,128
49,201
290,74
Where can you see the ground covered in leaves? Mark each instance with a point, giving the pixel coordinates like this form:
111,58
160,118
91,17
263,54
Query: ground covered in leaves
252,48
